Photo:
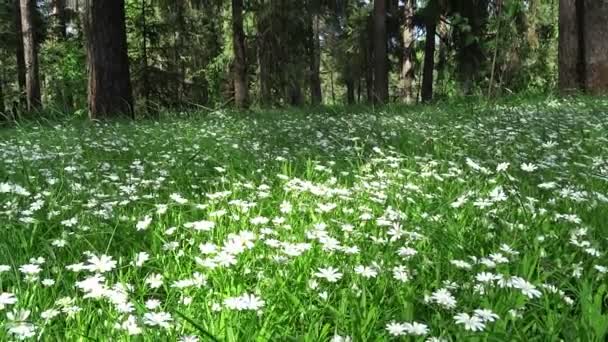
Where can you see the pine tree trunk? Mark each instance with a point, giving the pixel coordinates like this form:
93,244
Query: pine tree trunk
263,62
3,115
315,62
241,89
407,68
369,62
19,51
429,62
60,23
109,91
570,48
30,50
380,53
595,41
350,91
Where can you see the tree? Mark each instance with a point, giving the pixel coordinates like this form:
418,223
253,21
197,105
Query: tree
314,52
429,61
583,46
60,20
380,53
407,67
20,57
595,42
109,90
2,108
241,88
30,50
468,39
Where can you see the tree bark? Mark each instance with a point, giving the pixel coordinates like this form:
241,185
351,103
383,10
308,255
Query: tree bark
60,23
350,91
316,96
241,89
3,116
263,61
109,91
407,68
570,49
380,53
583,46
19,50
429,62
30,51
595,41
368,47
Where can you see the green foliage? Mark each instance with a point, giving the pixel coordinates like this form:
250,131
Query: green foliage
502,206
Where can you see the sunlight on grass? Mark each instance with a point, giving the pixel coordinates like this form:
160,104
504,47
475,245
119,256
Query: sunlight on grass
445,224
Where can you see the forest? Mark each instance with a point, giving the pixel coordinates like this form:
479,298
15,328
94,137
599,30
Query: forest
312,170
147,56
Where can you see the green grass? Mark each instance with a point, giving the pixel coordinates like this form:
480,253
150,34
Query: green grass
408,190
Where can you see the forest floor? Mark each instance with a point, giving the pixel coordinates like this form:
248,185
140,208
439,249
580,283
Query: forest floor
456,222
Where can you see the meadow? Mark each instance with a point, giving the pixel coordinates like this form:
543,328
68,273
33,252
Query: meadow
459,222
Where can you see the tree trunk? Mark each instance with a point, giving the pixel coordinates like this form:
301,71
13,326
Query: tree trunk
407,68
263,62
30,50
380,53
595,42
470,53
3,115
429,62
59,18
241,89
144,47
583,46
19,50
369,66
109,90
315,62
350,91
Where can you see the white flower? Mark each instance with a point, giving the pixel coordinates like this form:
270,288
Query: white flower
152,304
154,281
140,259
486,277
7,299
201,226
49,314
177,198
330,274
189,338
338,338
486,315
396,329
529,167
285,207
18,326
525,287
100,264
418,329
502,167
401,273
444,298
130,326
161,319
259,220
244,302
472,323
207,248
366,272
30,269
143,224
461,264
